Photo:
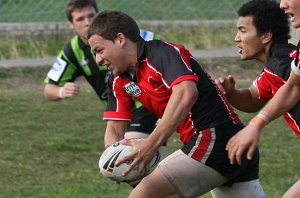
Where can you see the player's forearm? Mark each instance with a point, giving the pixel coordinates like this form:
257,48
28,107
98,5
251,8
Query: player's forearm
180,103
52,92
242,100
115,131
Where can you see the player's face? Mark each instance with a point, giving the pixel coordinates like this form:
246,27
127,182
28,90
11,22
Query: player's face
112,54
81,19
250,44
292,7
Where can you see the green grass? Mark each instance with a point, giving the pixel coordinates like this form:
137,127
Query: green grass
51,149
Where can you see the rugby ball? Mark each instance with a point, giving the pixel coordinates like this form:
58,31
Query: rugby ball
118,151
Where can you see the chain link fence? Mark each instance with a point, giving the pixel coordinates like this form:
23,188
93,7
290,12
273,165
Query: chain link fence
162,10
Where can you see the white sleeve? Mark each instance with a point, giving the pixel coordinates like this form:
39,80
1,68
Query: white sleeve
295,68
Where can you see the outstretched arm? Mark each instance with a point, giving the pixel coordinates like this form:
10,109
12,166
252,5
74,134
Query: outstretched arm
248,138
237,96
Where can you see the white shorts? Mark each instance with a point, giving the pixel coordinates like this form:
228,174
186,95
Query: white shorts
250,189
191,178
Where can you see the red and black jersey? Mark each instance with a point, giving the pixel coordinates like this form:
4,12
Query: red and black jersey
296,63
274,75
162,65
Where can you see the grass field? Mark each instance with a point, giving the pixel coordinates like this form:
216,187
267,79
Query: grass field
51,149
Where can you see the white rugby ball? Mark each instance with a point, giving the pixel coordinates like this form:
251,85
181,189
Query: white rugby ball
118,151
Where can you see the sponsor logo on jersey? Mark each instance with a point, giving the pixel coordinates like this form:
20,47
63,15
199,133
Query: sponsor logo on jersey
57,69
132,89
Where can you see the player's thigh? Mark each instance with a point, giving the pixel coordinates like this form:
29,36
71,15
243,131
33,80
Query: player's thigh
189,177
250,189
154,185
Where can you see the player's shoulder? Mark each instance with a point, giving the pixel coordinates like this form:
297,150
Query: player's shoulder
157,48
70,49
281,58
163,48
283,50
160,45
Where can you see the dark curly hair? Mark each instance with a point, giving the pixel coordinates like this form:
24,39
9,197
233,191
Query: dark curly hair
267,17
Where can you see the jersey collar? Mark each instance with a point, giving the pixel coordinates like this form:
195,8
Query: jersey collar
140,56
140,50
279,48
82,44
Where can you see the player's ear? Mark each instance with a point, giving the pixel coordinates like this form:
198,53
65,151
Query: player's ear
267,37
121,39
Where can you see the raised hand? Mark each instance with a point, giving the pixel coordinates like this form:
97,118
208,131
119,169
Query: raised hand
226,84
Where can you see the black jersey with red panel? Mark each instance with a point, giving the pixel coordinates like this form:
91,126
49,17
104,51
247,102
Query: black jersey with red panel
162,65
274,75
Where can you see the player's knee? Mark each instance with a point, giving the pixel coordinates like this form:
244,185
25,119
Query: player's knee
140,190
154,185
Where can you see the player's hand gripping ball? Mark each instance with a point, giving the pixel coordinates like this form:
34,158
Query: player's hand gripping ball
118,151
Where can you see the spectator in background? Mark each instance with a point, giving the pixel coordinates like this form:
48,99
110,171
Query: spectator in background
77,59
166,79
263,33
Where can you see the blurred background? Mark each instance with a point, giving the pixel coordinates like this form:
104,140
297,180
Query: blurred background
51,149
42,27
51,10
39,28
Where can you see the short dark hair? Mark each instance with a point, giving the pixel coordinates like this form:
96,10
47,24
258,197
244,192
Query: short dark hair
267,17
109,23
77,4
